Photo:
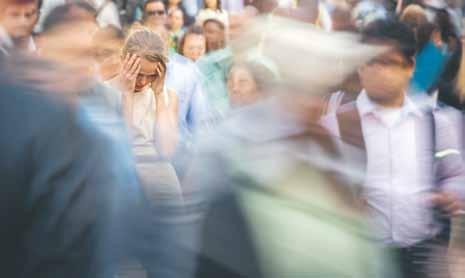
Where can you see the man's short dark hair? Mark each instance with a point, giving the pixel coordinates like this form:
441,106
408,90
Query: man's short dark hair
218,5
64,14
391,31
18,2
214,20
153,1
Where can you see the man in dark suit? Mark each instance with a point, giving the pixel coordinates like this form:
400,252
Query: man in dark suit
66,188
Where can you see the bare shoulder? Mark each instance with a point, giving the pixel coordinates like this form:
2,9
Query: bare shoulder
172,94
171,91
173,97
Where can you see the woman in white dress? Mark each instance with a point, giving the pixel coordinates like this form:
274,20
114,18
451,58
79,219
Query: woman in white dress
151,111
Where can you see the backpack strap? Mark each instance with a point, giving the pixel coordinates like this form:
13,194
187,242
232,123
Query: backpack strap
350,127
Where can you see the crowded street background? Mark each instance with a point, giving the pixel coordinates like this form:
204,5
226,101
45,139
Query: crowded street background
232,138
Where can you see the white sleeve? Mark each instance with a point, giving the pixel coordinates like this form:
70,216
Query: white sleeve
109,16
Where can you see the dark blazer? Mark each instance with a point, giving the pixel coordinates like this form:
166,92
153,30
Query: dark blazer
60,179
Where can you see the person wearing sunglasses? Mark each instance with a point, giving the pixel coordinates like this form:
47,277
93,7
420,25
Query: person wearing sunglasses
408,152
154,14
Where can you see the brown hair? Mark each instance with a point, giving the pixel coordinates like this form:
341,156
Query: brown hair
194,30
218,5
214,20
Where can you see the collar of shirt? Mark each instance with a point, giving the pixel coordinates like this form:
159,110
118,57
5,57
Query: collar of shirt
366,106
31,46
5,40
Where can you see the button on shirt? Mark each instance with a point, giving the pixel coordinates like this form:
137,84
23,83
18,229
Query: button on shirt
398,170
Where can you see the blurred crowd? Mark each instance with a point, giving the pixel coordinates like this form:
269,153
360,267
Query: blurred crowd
232,138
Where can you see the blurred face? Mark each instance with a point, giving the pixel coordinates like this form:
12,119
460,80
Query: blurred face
108,57
176,20
242,88
215,36
19,20
71,46
155,14
386,77
211,4
147,74
194,46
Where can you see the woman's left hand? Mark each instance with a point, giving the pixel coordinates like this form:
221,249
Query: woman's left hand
158,84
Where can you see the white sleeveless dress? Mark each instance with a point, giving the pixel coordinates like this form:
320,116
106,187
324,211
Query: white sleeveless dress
157,176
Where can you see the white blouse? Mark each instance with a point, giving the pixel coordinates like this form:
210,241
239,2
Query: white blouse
143,117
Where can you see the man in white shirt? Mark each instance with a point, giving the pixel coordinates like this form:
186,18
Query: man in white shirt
413,167
17,21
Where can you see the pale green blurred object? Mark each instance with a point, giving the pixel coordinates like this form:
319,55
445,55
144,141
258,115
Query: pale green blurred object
300,229
300,225
214,68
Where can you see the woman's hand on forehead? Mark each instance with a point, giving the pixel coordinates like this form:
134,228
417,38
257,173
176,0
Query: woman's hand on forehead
159,69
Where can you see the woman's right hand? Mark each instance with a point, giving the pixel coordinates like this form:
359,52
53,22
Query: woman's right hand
128,73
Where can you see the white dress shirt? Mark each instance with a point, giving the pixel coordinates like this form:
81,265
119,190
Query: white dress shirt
398,171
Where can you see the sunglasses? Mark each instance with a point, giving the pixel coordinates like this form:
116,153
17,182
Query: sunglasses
156,12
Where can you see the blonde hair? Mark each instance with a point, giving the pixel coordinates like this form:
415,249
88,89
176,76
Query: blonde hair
146,44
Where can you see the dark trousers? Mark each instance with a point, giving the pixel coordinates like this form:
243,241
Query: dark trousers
426,259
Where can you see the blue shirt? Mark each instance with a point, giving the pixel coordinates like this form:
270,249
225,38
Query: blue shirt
184,78
430,63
